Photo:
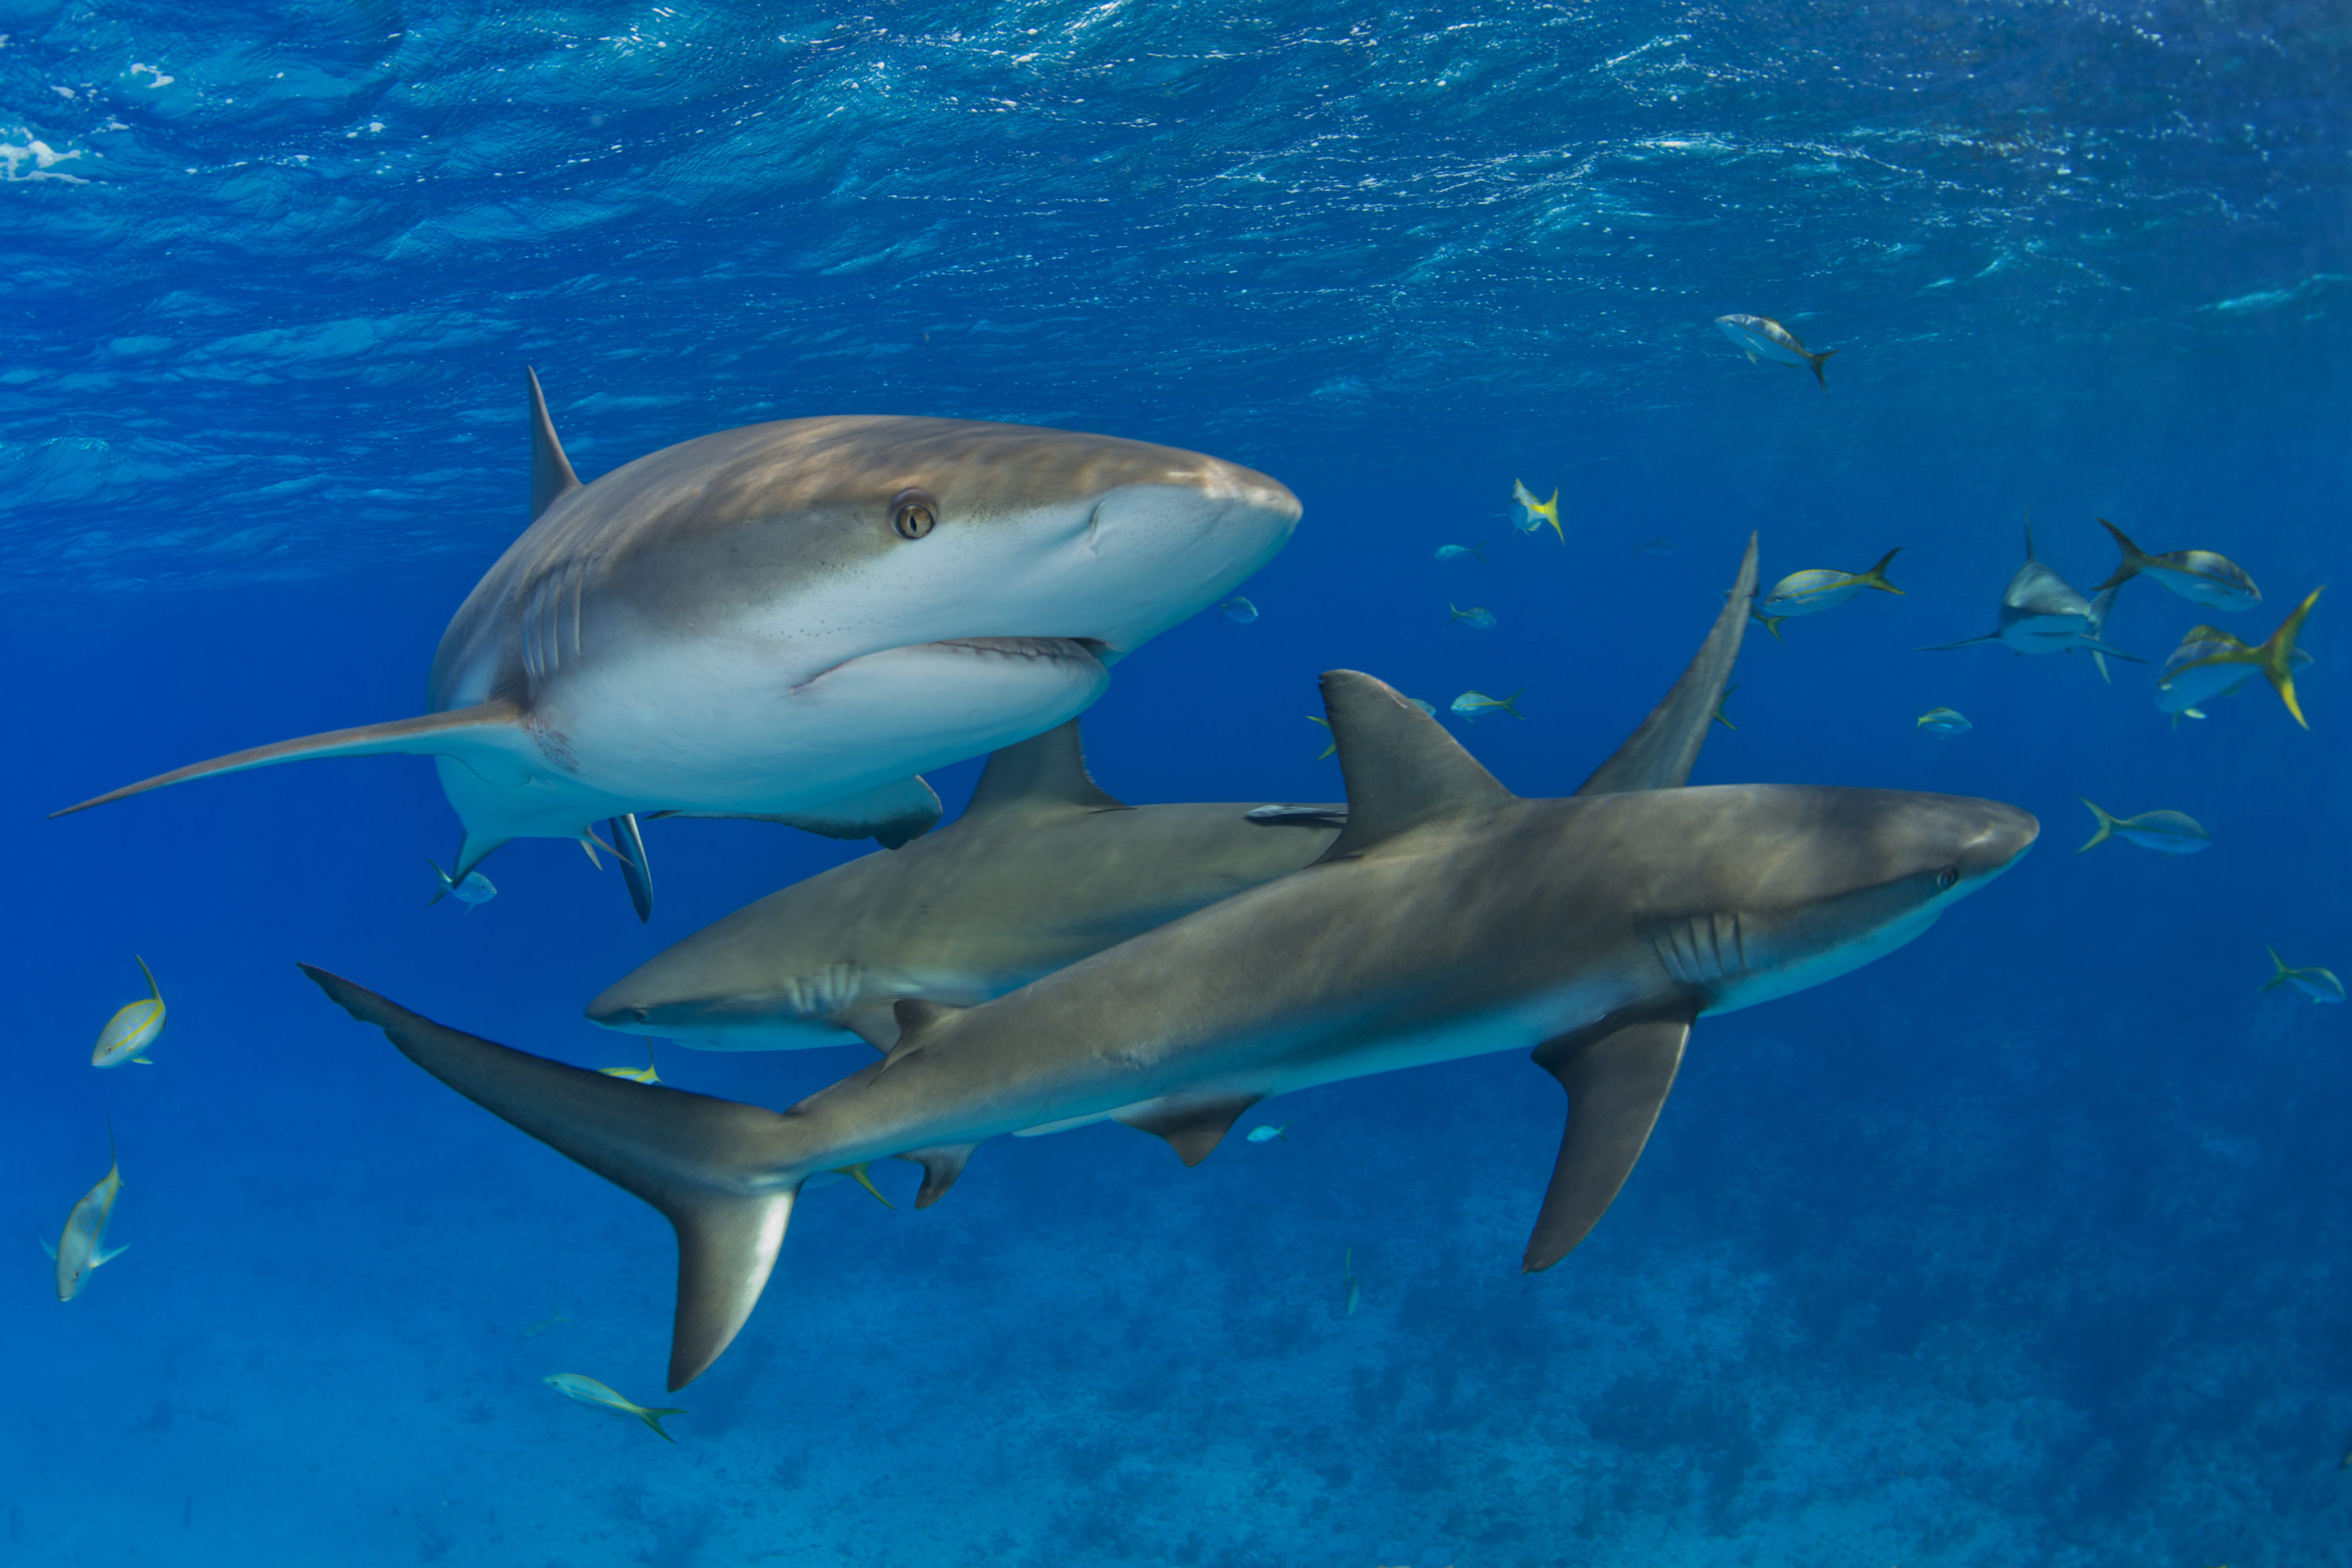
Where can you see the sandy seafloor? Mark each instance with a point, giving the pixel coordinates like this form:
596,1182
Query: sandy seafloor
2025,1244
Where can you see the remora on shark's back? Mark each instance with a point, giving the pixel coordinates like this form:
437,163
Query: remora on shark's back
793,620
1451,918
1042,869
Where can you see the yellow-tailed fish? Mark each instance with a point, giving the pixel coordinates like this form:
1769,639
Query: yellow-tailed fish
472,890
2166,831
82,1246
857,1174
645,1074
1718,708
1456,551
2274,659
1944,721
2198,576
2188,681
1534,513
1477,617
1761,338
1477,704
135,1026
2318,985
1266,1132
1809,593
588,1391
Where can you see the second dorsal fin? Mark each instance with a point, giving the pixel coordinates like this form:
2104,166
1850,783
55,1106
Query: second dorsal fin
551,471
1047,771
1402,768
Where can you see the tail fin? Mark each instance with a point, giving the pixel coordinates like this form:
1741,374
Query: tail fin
719,1170
2274,659
2106,827
1506,703
2133,562
2279,979
1815,359
448,887
1550,509
1876,576
652,1417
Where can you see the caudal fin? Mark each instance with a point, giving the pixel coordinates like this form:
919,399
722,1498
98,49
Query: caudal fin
1876,576
719,1170
2132,560
1816,361
652,1417
2279,965
2106,827
487,727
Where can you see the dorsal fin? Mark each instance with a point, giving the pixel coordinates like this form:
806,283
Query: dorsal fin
919,1023
1048,769
1660,754
1402,768
551,471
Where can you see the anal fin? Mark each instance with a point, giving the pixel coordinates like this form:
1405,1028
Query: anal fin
1617,1073
1192,1126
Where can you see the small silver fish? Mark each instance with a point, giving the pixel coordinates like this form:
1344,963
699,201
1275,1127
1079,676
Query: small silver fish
1263,1133
2166,831
588,1391
82,1246
471,890
1238,610
1944,721
2316,985
1455,552
1477,704
1761,338
540,1327
1477,617
2198,576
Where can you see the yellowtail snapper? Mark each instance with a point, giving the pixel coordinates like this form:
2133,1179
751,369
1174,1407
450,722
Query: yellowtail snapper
1944,721
1761,338
588,1391
1238,610
2166,831
2198,576
82,1246
135,1026
2275,658
1477,617
1534,513
1477,704
1809,593
2316,985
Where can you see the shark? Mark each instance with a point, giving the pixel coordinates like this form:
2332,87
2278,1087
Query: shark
1043,868
793,620
1450,918
2041,612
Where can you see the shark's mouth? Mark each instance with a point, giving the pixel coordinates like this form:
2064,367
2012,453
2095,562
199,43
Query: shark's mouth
1073,652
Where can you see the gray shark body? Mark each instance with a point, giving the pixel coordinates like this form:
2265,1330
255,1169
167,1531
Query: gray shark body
1043,868
2041,612
1449,918
793,620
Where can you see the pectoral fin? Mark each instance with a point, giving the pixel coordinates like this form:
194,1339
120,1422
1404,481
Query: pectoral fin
488,729
48,1246
108,1254
891,814
1617,1074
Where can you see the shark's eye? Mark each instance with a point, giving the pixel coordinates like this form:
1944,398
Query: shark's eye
914,513
1946,877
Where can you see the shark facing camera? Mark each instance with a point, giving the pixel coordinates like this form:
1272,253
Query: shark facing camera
1446,917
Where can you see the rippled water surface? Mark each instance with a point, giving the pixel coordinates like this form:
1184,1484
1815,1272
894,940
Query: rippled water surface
2024,1245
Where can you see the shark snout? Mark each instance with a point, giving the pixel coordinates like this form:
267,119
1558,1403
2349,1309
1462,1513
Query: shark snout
2001,834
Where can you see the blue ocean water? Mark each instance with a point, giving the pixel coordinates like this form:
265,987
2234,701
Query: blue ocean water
2024,1245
